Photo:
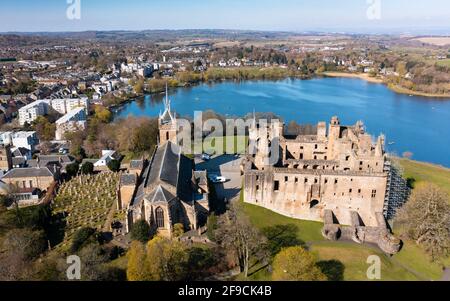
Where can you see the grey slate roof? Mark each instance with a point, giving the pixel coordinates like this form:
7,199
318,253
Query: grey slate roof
136,164
160,194
128,179
169,170
28,172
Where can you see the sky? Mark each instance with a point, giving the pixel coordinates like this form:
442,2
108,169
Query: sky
376,16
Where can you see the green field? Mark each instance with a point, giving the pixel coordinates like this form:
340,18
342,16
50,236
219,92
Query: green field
412,263
221,145
444,63
425,172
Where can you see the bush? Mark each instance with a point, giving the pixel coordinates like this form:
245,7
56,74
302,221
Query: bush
80,238
87,168
72,169
114,165
141,231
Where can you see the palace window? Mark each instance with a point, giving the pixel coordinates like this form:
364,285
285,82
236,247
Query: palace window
257,187
347,158
167,135
301,156
335,181
276,186
296,180
160,217
306,180
326,181
374,193
315,146
316,181
315,157
286,179
359,190
350,190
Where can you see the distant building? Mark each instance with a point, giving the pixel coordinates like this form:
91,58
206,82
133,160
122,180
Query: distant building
30,178
72,121
31,112
28,140
5,158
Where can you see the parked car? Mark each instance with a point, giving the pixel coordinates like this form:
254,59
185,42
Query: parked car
217,179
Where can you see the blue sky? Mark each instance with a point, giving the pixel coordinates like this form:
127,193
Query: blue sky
292,15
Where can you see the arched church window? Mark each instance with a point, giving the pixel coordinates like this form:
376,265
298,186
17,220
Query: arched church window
167,135
160,217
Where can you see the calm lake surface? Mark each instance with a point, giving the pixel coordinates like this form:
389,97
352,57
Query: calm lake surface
414,124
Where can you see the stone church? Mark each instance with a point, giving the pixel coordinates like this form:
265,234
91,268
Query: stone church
338,176
170,191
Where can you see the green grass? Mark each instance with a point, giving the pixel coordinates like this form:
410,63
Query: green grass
219,145
354,257
443,63
425,172
263,218
413,257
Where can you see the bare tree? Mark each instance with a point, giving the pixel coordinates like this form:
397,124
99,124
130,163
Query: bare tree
426,219
237,234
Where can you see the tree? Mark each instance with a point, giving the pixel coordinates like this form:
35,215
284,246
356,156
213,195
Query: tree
87,168
72,169
114,165
237,234
136,270
44,129
30,243
81,237
178,230
425,218
102,114
295,264
140,231
166,260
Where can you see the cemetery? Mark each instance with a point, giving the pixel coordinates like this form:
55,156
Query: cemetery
86,201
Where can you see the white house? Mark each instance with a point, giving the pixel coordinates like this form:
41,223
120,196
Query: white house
107,156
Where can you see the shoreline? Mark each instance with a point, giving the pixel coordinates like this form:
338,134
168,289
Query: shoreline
362,76
377,80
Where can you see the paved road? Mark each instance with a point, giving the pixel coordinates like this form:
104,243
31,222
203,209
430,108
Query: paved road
227,166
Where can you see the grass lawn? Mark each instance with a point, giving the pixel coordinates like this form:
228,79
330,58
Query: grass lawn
443,63
354,257
412,255
425,172
262,218
219,145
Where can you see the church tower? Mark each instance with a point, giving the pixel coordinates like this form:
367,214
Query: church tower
167,123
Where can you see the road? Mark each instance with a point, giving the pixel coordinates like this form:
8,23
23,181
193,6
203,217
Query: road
227,166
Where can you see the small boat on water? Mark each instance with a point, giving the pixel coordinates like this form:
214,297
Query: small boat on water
391,143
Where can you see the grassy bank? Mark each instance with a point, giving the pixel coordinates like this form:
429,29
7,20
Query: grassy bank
379,80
